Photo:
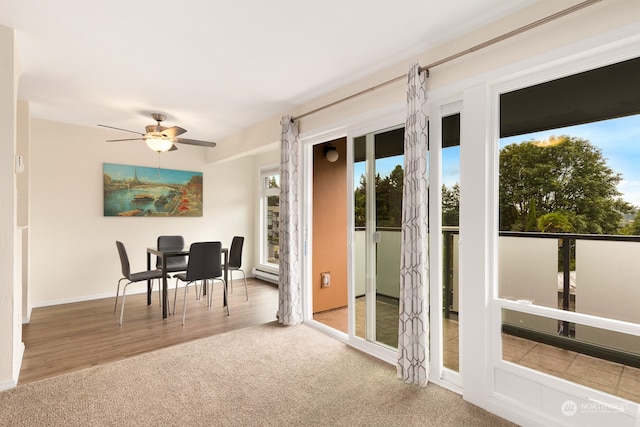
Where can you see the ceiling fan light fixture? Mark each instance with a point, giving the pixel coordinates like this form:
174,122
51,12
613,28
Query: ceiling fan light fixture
159,144
160,138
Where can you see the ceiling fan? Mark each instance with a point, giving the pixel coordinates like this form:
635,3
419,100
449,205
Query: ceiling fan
160,138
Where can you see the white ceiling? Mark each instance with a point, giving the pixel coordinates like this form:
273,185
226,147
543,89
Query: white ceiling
215,67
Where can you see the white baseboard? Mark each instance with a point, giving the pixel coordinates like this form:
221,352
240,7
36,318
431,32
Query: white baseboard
87,298
7,385
13,382
130,291
18,366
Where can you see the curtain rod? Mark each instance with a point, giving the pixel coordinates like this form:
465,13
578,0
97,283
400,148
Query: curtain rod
472,49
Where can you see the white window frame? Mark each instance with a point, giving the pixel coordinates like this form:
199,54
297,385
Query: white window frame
266,172
529,379
444,376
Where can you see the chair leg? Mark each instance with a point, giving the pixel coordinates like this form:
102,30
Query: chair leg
115,306
184,303
246,292
210,295
159,292
205,286
175,297
124,292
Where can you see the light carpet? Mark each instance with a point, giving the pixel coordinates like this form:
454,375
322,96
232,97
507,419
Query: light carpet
268,375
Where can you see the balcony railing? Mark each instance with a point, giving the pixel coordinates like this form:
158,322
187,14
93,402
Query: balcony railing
590,274
596,275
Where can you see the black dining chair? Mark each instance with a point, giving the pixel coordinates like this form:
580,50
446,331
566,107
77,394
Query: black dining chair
235,262
172,243
142,276
204,264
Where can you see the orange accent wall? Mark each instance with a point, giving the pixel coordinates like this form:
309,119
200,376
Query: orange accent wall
330,227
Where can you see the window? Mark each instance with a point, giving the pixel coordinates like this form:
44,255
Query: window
450,176
569,236
270,216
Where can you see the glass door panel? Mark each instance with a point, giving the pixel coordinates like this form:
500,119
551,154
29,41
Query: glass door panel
450,234
378,174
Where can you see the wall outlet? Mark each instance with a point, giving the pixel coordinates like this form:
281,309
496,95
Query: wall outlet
325,279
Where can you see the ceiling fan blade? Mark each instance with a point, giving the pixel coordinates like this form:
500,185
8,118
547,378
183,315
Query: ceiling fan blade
127,139
125,130
173,131
173,148
195,142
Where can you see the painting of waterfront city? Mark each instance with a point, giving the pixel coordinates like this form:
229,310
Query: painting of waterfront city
144,191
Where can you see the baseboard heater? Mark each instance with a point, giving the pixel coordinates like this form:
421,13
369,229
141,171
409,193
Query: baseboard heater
265,275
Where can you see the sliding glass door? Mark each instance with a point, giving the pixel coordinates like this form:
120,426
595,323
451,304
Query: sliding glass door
378,173
450,178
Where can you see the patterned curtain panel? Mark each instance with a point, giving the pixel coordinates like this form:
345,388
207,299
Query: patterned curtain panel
413,331
290,285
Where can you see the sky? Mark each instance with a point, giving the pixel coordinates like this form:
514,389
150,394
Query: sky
147,174
618,139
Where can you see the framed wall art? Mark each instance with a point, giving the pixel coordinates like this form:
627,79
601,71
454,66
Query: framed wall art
145,191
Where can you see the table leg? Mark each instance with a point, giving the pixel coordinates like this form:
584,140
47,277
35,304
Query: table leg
164,287
226,278
149,282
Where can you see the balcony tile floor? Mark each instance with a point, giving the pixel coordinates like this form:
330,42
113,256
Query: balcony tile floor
599,374
610,377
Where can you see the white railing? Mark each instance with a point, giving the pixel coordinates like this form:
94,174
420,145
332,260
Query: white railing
603,280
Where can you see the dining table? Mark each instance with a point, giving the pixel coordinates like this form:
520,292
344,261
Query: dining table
164,254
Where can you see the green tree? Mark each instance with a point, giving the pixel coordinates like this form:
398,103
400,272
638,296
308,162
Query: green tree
570,177
554,222
388,199
532,217
633,227
359,201
451,205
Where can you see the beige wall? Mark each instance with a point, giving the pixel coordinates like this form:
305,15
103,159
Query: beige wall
73,254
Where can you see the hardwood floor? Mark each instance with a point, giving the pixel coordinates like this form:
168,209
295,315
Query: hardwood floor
70,337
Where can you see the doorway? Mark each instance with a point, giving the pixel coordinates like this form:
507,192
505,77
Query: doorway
374,235
329,247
